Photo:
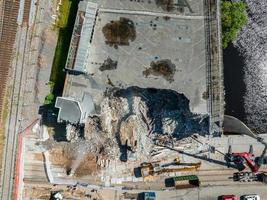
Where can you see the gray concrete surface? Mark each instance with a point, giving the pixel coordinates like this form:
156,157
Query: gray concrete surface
42,49
188,7
205,193
180,39
69,110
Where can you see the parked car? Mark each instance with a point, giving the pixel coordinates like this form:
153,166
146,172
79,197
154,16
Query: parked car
228,197
147,196
250,197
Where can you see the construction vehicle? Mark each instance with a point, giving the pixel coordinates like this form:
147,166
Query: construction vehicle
246,159
155,168
245,177
148,196
182,182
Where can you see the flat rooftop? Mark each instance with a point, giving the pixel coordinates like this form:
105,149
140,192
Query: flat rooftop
153,46
69,110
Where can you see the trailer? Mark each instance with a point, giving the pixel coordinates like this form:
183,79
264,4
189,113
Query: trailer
187,181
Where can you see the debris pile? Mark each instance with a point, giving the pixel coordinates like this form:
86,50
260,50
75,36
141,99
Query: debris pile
133,125
164,68
108,64
167,5
173,5
119,32
140,118
72,132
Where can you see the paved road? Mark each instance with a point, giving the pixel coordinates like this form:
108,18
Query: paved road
205,193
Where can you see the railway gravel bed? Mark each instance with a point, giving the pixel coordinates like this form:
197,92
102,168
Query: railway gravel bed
7,38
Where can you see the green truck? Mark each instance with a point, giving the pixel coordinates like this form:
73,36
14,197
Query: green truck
187,181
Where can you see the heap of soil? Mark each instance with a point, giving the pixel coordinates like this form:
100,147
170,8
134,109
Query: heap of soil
119,32
108,64
164,68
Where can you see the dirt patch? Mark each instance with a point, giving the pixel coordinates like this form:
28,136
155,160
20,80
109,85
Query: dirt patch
205,95
108,64
166,18
60,157
38,156
167,5
68,192
164,68
86,165
49,36
119,32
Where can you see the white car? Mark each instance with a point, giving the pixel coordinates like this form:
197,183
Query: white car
250,197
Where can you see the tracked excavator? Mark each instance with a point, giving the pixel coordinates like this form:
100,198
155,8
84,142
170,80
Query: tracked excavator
148,170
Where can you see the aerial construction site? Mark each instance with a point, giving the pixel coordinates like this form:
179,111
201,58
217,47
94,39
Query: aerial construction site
126,101
141,109
118,110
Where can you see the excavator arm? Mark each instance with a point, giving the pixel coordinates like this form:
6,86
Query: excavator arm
194,167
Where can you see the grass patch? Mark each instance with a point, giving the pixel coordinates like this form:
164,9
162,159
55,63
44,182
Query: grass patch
65,26
64,12
50,98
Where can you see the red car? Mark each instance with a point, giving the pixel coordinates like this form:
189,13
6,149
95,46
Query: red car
228,197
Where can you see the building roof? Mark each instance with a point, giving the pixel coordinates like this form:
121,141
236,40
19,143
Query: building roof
82,33
69,110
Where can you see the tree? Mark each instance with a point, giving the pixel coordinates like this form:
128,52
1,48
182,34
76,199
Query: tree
233,19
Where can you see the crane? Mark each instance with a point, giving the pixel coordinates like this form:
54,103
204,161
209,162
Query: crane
244,159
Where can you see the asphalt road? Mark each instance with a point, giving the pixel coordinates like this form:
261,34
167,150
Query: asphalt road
203,193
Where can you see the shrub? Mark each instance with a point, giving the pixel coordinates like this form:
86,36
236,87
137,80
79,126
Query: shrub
233,19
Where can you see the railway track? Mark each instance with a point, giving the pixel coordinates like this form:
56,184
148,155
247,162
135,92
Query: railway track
12,129
7,37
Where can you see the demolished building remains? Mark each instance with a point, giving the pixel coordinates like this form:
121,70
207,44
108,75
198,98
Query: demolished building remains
137,76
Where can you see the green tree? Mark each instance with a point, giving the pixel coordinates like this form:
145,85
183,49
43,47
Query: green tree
233,19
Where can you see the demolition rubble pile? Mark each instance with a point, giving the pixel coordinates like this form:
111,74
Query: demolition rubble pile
140,118
252,43
134,121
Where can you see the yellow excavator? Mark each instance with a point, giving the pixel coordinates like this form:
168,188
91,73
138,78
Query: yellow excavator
148,170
